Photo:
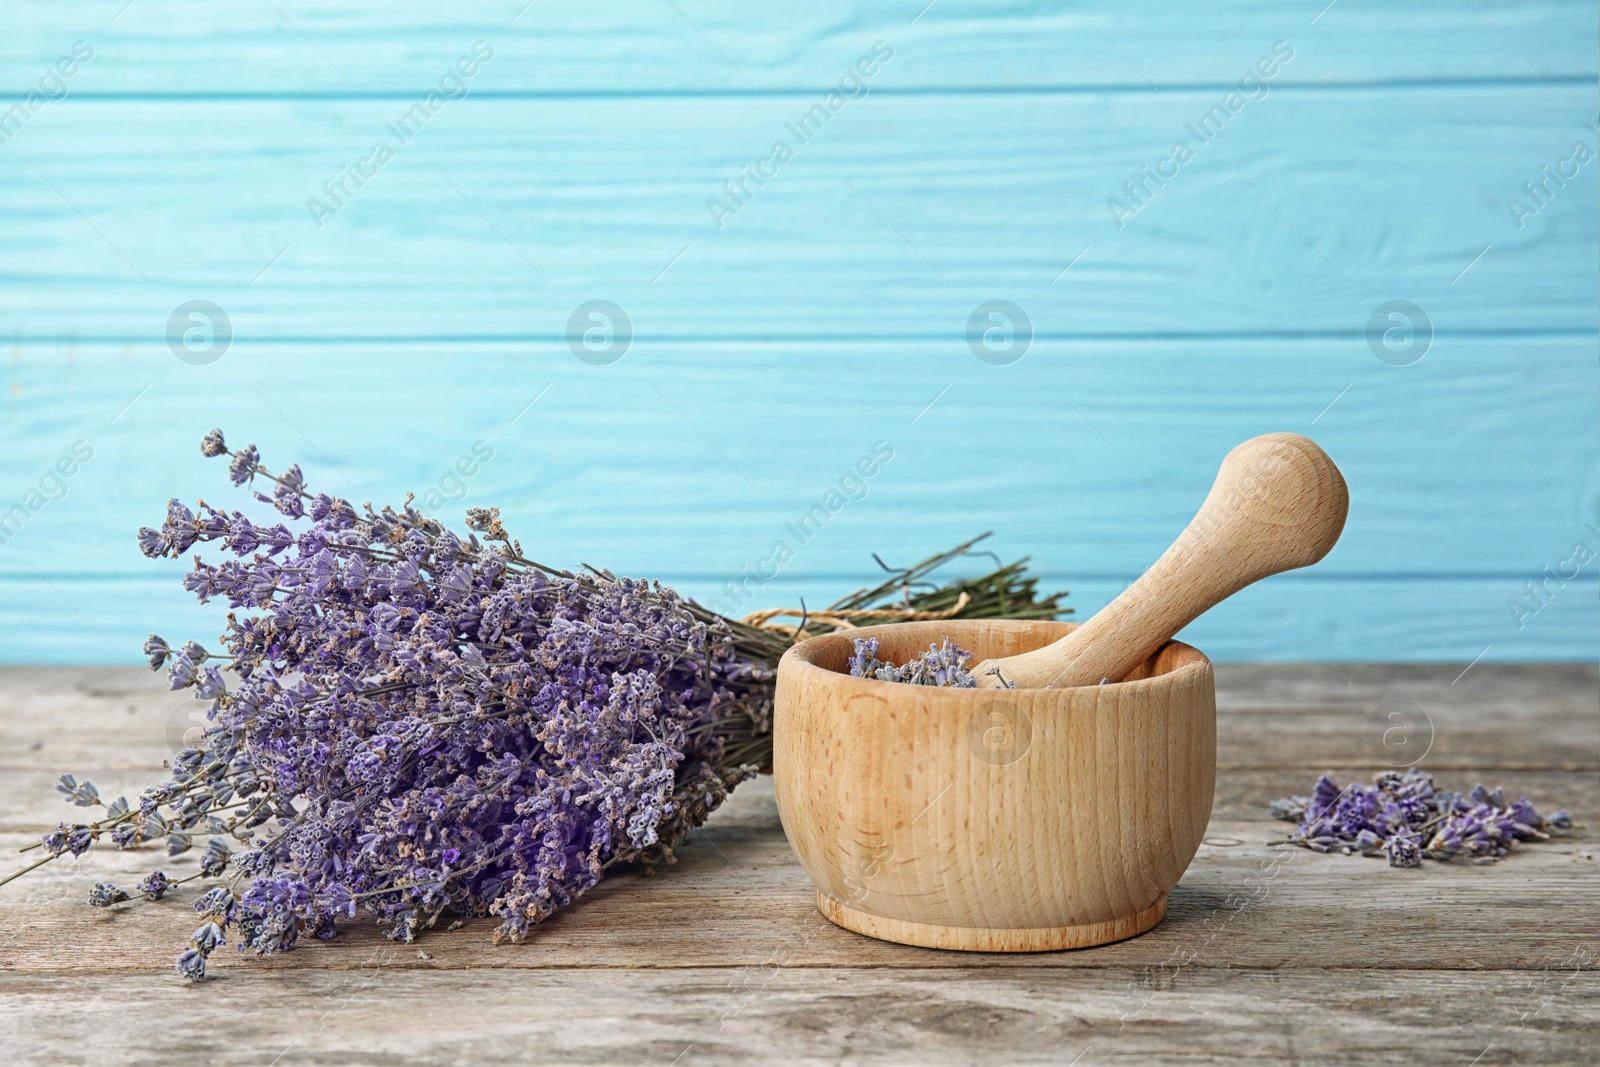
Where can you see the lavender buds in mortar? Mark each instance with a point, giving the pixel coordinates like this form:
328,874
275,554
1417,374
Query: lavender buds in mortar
944,664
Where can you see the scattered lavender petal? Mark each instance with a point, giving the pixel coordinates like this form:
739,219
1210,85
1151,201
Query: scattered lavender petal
1404,816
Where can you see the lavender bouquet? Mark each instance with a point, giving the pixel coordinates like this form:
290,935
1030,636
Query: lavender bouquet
409,722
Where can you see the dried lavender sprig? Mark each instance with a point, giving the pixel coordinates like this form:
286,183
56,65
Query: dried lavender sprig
164,543
943,665
295,656
1404,816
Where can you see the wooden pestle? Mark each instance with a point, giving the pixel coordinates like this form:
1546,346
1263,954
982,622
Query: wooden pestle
1278,503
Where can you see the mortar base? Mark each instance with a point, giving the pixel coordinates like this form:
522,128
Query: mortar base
969,939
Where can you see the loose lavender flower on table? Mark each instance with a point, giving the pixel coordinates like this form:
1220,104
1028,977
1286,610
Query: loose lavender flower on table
1406,818
415,721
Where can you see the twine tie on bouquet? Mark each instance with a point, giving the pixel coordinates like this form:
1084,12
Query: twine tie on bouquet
845,619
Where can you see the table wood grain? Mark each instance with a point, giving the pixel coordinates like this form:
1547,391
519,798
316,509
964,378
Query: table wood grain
1267,954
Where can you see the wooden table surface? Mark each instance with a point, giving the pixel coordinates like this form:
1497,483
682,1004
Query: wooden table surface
1267,954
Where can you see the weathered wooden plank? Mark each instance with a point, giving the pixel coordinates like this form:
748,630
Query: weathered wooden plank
1503,716
1399,182
1265,954
637,466
770,1013
1244,903
606,447
164,46
738,894
889,223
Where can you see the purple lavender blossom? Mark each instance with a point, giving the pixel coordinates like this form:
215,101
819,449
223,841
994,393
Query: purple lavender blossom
422,723
1402,815
157,650
242,468
944,665
406,721
192,964
84,795
1404,850
104,894
75,839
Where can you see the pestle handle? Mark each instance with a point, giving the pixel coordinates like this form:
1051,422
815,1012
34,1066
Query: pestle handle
1278,503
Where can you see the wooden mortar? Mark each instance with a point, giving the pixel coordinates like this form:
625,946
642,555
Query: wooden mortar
1032,819
992,820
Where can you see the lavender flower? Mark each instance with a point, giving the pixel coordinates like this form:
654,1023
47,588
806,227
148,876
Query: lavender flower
210,685
944,664
215,859
242,468
1404,816
419,722
218,901
436,723
181,674
206,938
1404,850
104,894
84,795
156,649
192,964
74,839
1289,809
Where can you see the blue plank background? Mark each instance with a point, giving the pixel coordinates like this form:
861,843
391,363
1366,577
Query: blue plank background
385,330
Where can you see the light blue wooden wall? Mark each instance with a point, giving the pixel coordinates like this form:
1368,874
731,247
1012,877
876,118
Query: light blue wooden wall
830,312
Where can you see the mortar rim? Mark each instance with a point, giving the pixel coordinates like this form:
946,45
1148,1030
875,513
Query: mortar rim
797,662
